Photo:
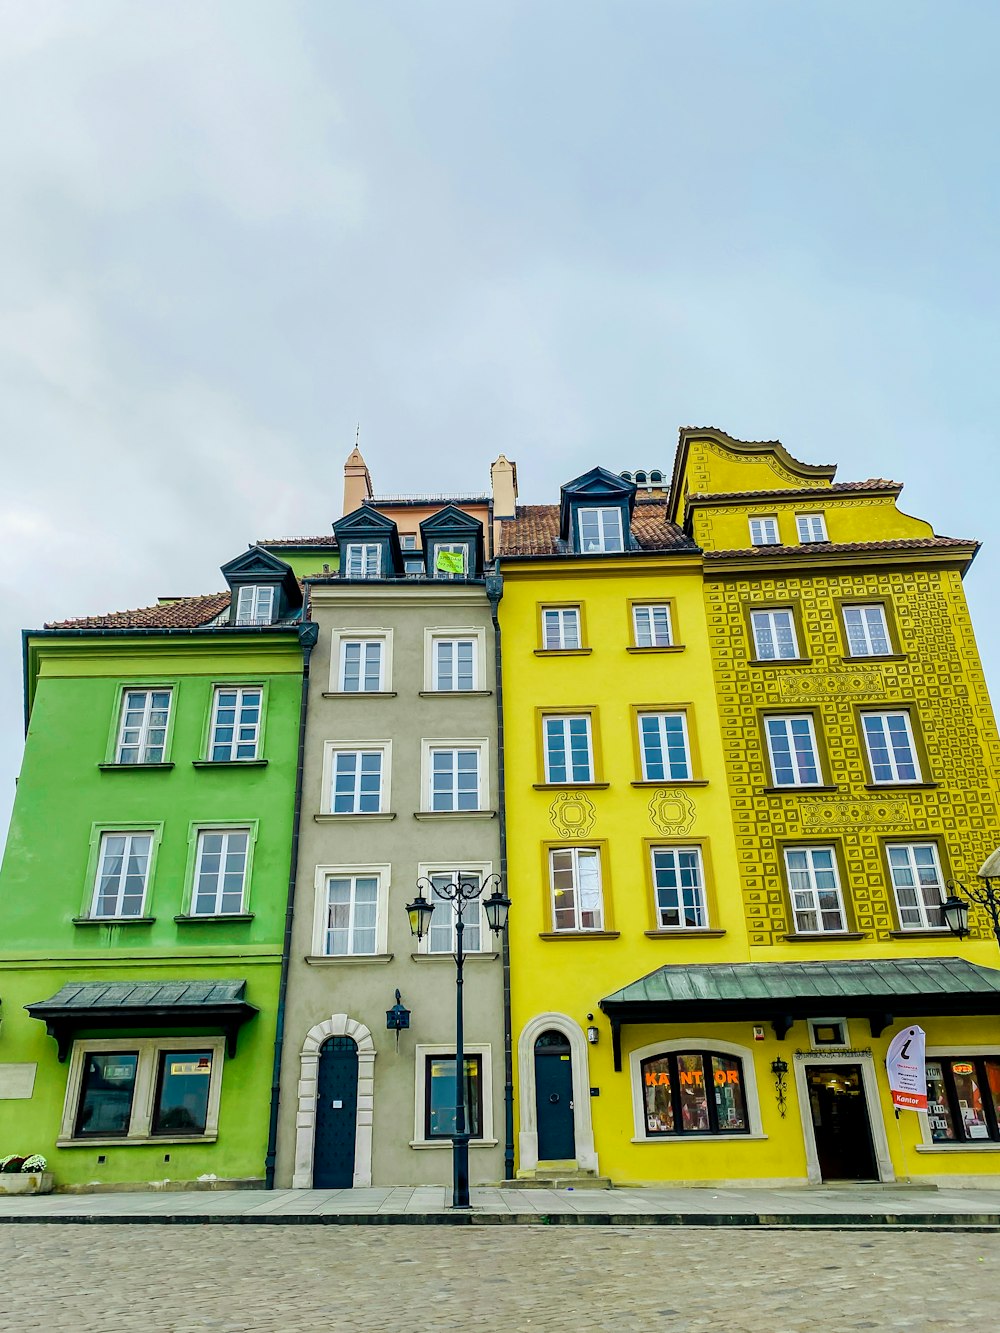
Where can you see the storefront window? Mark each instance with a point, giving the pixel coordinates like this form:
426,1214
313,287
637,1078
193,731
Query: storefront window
182,1092
963,1099
440,1097
680,1099
106,1093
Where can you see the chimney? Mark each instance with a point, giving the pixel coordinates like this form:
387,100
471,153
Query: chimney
357,482
503,480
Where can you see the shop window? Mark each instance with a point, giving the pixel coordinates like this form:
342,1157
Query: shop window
107,1088
963,1099
439,1096
694,1092
182,1087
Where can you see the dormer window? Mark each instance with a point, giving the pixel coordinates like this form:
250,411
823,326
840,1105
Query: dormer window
451,560
601,529
255,605
363,560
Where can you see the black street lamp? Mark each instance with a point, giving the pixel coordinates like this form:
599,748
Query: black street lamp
461,892
985,892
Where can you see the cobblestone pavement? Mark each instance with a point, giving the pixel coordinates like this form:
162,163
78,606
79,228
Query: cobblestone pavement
183,1279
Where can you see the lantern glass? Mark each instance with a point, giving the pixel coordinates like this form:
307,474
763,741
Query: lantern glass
955,911
420,912
497,906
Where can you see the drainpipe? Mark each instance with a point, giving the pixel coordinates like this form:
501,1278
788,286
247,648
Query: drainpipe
308,635
494,591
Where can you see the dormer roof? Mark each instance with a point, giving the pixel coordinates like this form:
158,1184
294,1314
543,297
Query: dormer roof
596,486
259,566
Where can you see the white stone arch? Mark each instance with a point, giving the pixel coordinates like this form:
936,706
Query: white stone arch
583,1128
337,1025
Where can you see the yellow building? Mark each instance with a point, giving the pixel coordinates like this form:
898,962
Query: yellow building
747,742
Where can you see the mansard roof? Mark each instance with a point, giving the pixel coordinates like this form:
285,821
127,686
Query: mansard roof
363,521
451,519
535,531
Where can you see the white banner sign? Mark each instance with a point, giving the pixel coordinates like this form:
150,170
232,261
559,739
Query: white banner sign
904,1062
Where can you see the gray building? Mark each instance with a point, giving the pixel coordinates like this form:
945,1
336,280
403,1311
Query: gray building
400,784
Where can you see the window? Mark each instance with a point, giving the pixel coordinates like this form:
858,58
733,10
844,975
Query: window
773,635
815,889
356,781
183,1082
408,541
235,723
255,605
440,1098
351,915
451,560
363,560
664,744
575,876
441,937
568,749
122,874
107,1088
694,1092
867,631
652,626
601,530
918,884
561,627
454,664
679,886
891,752
791,743
811,527
361,663
220,872
142,735
454,779
963,1099
764,531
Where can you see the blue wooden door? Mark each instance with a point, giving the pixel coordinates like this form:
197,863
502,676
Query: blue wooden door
554,1098
336,1114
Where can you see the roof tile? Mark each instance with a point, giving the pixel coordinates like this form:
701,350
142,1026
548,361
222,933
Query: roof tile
780,493
846,548
535,530
187,613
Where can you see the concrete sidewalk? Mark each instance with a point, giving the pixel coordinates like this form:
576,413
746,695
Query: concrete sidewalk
828,1207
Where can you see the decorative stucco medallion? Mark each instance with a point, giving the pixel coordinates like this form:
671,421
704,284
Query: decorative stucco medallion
572,814
672,811
856,814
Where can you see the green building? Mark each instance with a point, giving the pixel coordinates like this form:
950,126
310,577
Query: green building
144,887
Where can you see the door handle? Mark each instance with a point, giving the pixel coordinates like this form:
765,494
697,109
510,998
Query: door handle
553,1097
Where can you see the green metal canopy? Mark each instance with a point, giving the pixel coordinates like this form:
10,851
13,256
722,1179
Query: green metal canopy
106,1006
780,993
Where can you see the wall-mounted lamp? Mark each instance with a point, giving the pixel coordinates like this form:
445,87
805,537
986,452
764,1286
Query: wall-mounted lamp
593,1034
779,1068
397,1018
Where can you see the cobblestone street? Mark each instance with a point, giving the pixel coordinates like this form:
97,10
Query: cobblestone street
183,1278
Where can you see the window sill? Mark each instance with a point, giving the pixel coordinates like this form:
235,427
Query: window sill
113,920
672,782
667,648
737,1137
132,768
229,763
579,934
187,918
923,933
359,818
359,694
563,652
454,694
574,786
681,932
421,1144
983,1146
876,657
900,786
450,957
133,1140
798,790
780,661
818,936
454,814
346,959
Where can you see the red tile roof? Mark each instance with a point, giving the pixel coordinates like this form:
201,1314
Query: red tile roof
187,613
535,530
872,484
327,540
847,548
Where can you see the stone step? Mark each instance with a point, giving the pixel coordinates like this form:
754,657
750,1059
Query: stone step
584,1181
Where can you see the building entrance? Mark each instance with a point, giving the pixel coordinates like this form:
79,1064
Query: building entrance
840,1122
554,1098
336,1114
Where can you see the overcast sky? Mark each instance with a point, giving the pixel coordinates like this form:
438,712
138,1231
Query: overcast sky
560,229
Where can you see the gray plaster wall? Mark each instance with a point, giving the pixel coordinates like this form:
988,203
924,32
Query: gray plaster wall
362,989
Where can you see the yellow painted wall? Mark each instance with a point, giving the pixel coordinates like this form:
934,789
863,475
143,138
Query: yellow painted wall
848,519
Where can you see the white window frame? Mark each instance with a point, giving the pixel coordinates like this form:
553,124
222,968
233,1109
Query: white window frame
788,718
464,869
895,779
361,554
364,644
675,851
764,530
255,604
142,744
809,525
330,751
324,873
920,906
865,609
429,748
453,644
354,633
768,615
603,528
565,719
432,633
669,775
238,726
485,1053
149,832
144,1094
223,830
568,634
649,609
576,928
456,548
814,891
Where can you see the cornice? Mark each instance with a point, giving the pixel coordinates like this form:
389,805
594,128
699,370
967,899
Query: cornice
811,495
571,565
723,564
372,592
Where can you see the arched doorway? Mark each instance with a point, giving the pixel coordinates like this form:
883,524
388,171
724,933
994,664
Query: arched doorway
554,1097
336,1114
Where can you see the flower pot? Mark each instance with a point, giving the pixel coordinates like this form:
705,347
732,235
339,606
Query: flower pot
25,1182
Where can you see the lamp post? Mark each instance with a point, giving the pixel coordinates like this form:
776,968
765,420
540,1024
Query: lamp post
460,892
985,892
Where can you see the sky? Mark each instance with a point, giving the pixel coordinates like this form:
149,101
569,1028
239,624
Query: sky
231,232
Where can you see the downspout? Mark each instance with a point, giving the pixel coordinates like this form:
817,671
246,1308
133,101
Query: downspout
494,591
308,635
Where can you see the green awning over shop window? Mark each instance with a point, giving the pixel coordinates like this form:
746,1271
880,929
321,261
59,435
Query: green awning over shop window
115,1005
779,993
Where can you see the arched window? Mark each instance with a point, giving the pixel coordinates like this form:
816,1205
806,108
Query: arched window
693,1092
